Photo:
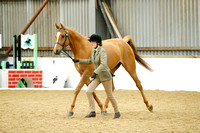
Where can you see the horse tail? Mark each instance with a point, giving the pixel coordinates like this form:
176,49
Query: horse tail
129,40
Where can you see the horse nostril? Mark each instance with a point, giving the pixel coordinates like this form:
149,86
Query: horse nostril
56,51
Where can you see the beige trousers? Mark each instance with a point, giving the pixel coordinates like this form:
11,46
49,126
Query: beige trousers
108,88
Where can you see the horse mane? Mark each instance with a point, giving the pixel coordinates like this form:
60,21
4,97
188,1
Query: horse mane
75,31
79,44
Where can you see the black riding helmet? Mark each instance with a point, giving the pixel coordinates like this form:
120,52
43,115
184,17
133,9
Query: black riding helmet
95,38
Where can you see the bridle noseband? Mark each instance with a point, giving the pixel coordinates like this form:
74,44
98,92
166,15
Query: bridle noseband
66,36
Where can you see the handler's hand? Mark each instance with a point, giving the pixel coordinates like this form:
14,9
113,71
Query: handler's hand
93,75
75,60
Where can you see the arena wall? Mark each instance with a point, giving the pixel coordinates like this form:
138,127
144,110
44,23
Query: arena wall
169,74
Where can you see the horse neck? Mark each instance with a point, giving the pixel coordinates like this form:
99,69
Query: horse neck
80,46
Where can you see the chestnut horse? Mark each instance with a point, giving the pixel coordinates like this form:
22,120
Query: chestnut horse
119,51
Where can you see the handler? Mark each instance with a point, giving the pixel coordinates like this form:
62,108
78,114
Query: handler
101,74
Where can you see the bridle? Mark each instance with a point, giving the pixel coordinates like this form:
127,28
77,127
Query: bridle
63,45
66,36
65,53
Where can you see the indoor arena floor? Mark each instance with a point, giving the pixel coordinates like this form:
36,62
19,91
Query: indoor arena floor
34,111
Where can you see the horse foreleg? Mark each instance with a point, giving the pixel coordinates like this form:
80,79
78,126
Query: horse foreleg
76,92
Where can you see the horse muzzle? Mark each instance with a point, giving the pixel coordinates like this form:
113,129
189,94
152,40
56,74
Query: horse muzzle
57,49
56,52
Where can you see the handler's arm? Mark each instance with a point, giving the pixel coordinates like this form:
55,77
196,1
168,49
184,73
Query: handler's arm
86,61
103,62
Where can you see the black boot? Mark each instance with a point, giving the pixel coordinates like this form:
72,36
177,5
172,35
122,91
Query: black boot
117,115
91,114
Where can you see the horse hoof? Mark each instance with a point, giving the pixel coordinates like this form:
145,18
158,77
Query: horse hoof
70,113
104,113
150,108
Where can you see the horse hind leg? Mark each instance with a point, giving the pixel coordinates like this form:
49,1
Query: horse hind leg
107,101
113,88
130,67
98,101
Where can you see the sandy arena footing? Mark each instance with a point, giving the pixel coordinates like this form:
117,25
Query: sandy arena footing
45,111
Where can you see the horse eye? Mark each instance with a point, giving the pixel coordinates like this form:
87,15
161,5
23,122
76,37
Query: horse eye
63,36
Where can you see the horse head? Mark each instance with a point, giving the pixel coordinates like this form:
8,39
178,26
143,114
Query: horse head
62,39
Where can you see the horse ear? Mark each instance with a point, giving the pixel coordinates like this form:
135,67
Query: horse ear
62,27
58,27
